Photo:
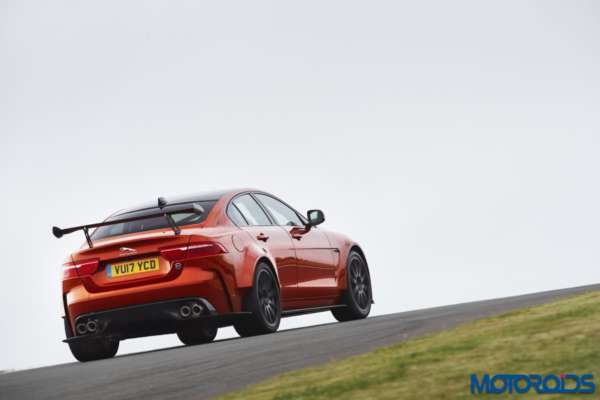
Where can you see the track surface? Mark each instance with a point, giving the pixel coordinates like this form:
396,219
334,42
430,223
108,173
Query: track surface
208,370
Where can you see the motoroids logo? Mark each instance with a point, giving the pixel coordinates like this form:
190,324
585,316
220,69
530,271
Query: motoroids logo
524,383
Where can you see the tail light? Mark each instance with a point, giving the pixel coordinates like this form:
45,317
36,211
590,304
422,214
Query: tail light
193,250
174,253
80,268
205,249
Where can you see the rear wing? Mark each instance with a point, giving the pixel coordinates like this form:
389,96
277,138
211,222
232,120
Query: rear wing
163,210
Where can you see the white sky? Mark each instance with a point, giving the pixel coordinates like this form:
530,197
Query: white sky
458,142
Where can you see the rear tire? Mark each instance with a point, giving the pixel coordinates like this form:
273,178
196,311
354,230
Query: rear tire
94,349
194,335
358,297
263,302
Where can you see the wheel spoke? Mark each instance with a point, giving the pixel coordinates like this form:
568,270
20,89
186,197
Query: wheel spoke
267,297
363,299
357,269
271,314
359,283
264,286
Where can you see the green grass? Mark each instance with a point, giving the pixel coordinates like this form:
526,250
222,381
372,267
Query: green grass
559,337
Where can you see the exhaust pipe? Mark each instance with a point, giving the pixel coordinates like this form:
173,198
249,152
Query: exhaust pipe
196,310
185,311
91,326
81,328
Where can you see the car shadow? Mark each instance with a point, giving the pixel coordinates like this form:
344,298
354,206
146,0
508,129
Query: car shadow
224,340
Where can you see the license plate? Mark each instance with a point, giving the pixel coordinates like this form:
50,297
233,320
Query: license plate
133,267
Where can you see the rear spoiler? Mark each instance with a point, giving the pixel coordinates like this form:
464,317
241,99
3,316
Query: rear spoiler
164,210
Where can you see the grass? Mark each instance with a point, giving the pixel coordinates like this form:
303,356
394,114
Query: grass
559,337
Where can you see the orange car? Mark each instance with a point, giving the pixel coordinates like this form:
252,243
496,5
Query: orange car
194,264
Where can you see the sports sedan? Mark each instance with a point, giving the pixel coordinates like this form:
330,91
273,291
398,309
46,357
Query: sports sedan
193,264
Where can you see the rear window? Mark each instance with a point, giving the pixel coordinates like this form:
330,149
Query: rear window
149,224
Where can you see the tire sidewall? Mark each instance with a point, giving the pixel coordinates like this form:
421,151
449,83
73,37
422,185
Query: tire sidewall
94,349
194,335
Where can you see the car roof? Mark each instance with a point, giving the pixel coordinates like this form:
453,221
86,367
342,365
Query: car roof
189,198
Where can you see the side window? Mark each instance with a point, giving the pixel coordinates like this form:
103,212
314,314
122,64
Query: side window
251,210
236,216
282,214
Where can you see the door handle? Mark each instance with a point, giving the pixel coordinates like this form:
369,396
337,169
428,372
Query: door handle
297,237
263,237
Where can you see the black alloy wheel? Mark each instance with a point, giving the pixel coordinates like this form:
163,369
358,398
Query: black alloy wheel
94,349
360,285
263,302
268,297
193,335
359,296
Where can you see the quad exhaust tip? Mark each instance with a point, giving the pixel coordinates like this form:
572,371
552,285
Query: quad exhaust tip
91,326
81,328
195,310
185,311
85,327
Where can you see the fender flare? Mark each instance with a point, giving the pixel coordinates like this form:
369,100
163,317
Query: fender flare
252,257
343,281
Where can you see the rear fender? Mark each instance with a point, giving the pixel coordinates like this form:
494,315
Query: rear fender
252,255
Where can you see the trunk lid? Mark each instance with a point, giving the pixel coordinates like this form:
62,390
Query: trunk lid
131,260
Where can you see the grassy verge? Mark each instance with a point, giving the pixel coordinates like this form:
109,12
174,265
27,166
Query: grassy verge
560,337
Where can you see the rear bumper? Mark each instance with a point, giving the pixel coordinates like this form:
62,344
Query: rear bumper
208,280
148,319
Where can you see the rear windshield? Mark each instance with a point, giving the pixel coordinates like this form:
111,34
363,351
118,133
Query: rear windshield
149,224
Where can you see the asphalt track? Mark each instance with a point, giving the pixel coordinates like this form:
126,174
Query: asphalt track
204,371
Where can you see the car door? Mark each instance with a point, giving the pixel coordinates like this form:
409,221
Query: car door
247,214
315,256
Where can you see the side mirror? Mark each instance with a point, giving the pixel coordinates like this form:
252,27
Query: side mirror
315,217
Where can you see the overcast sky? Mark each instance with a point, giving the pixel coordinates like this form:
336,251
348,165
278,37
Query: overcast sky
458,142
